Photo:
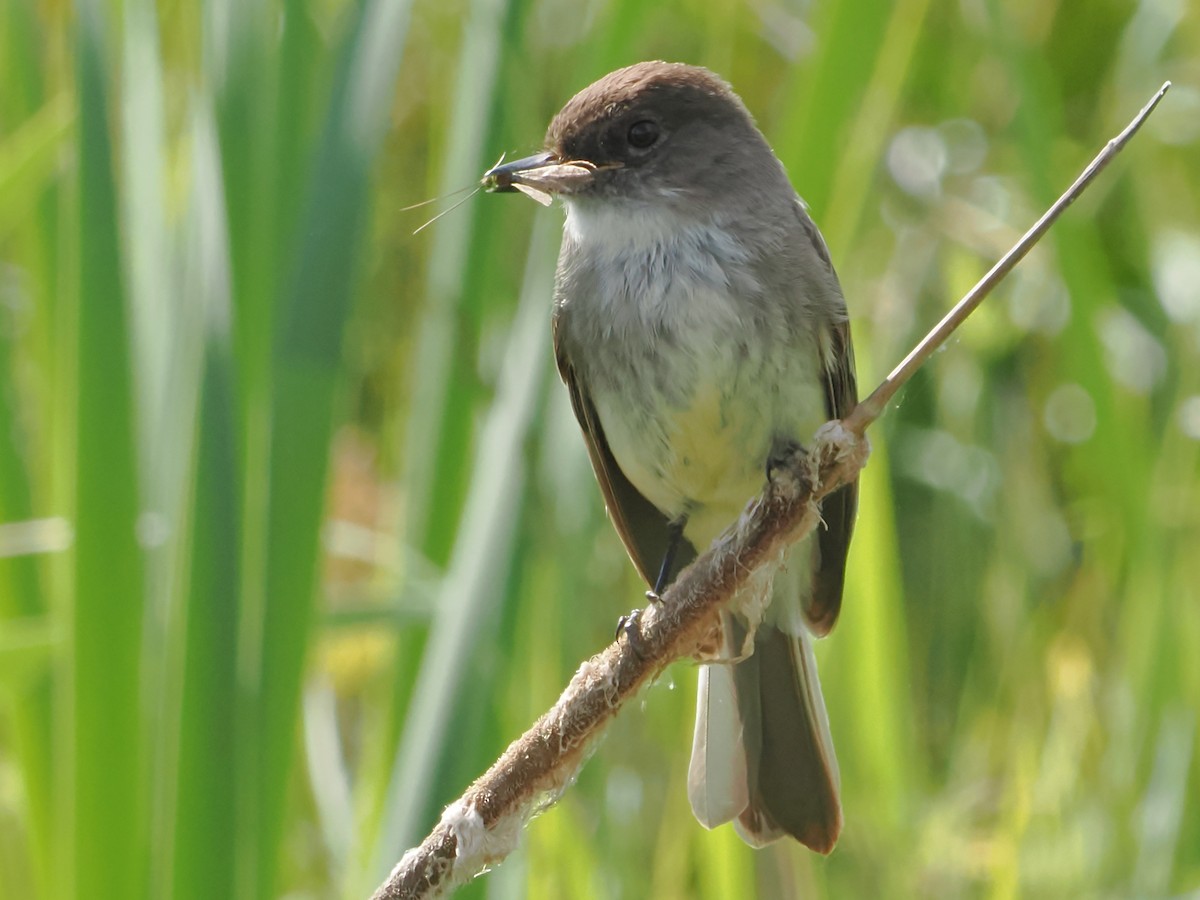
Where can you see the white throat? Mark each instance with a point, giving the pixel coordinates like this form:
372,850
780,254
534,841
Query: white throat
658,267
617,228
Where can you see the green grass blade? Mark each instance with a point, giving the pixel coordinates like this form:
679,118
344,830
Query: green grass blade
109,830
206,829
207,832
824,95
28,160
437,451
472,589
316,302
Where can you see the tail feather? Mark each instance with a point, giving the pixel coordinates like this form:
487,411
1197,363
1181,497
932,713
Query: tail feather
762,752
717,783
796,786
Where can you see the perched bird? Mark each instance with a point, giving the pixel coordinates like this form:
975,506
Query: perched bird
701,332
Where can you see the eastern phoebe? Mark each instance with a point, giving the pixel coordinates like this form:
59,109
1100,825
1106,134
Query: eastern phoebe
702,334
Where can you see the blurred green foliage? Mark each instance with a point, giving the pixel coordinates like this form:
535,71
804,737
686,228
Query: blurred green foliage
296,531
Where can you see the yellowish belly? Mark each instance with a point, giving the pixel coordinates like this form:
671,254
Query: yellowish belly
705,458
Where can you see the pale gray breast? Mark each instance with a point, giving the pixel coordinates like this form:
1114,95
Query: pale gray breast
697,346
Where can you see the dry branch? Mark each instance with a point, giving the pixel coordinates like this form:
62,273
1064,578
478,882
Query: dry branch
483,826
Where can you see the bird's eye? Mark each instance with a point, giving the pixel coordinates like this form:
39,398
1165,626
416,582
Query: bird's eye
643,134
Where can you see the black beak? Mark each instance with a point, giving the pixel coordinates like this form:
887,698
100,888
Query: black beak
499,179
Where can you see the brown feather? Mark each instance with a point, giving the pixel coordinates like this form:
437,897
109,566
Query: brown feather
839,508
792,775
642,528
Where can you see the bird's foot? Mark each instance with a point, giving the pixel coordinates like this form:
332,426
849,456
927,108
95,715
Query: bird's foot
628,625
782,457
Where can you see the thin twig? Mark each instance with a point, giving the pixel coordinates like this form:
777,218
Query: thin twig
483,826
872,408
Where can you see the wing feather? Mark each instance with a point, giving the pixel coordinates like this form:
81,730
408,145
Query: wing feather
642,528
824,602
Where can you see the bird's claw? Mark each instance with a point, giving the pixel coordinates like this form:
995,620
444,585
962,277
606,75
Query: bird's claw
628,625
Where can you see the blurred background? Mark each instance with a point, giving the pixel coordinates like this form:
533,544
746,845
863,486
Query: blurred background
298,532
